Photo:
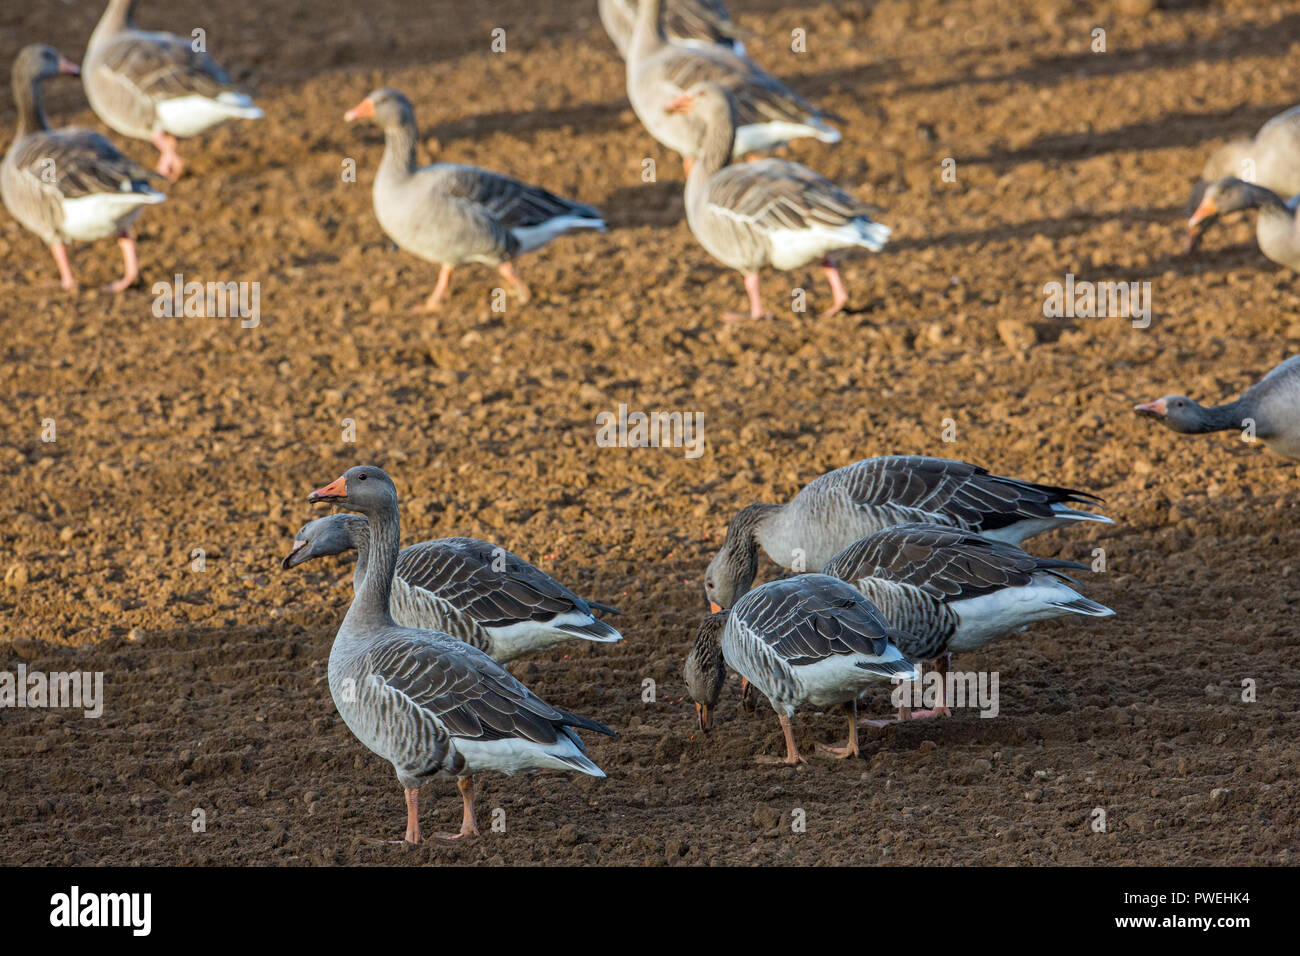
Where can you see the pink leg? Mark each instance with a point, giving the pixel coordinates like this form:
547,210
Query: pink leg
432,303
468,825
687,163
65,270
755,302
941,708
130,267
838,292
170,163
508,273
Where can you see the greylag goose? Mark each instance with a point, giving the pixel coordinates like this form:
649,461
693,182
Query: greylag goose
156,86
767,213
835,510
69,184
1277,229
453,214
951,590
810,639
1271,159
705,671
658,72
423,700
475,591
688,22
1272,404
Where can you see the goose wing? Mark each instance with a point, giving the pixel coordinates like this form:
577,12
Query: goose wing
512,203
774,195
811,617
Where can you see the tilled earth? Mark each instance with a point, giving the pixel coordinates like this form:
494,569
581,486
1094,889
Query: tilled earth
178,434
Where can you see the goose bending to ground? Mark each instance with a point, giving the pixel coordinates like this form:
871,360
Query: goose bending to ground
767,213
949,590
475,591
686,22
157,86
69,184
658,72
423,700
1271,159
705,670
1277,229
810,639
1272,404
453,214
835,510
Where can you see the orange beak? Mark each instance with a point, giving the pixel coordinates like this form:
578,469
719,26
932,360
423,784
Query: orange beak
1156,408
704,714
363,110
715,607
336,490
1203,212
682,104
68,67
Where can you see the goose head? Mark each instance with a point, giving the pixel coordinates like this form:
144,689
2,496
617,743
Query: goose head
386,108
40,62
320,538
1176,412
705,672
364,488
1219,198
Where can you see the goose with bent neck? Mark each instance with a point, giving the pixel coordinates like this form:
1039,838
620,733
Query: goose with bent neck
427,703
1277,229
475,591
1271,406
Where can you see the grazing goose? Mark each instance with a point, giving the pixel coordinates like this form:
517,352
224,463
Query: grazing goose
658,72
452,214
810,639
156,86
835,510
951,590
686,22
423,700
69,184
705,671
767,213
1272,403
475,591
1271,159
1277,229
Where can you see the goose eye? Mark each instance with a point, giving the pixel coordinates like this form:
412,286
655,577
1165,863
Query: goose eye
361,477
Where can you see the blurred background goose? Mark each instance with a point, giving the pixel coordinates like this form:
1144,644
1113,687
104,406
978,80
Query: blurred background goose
69,184
1271,159
422,700
156,86
768,112
949,590
1272,404
767,213
686,22
477,592
840,507
1276,228
453,214
809,639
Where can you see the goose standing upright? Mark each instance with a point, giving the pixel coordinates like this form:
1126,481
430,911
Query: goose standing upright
69,184
1272,404
1277,229
156,86
769,113
453,214
951,590
475,591
687,22
835,510
767,213
428,703
810,639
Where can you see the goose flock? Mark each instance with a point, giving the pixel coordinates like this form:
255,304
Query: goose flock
896,562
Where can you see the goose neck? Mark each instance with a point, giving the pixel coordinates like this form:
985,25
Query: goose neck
27,98
117,17
370,604
399,148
